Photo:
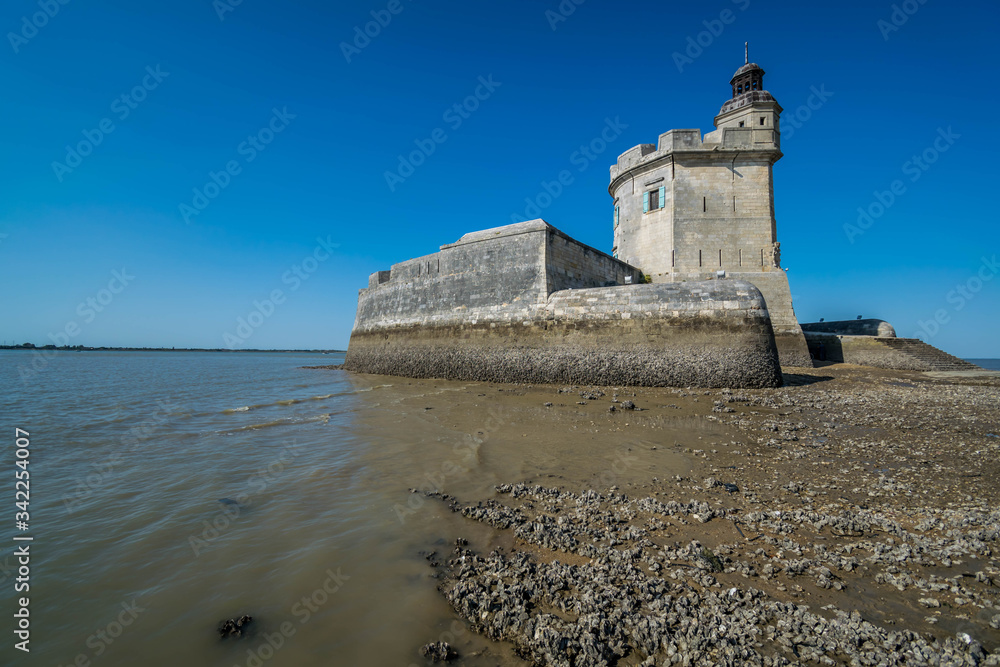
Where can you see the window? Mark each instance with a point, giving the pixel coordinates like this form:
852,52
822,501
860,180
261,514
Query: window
761,120
654,199
741,123
618,210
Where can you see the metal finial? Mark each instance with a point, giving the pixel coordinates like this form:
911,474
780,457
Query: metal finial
746,53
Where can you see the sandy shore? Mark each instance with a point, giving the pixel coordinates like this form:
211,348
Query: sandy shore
850,517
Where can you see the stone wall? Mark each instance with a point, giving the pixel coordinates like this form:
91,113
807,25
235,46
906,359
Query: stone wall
506,305
502,276
707,334
573,265
861,350
716,206
787,333
505,273
869,327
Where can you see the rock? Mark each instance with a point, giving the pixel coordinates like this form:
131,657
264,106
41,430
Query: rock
234,627
438,651
929,602
628,405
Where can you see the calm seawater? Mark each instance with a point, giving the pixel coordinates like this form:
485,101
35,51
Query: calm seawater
988,364
134,559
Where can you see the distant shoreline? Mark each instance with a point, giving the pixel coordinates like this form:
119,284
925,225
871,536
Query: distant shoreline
83,348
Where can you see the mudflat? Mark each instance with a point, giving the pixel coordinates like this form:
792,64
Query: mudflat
851,516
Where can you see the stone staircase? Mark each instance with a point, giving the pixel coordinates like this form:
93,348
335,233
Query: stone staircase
935,359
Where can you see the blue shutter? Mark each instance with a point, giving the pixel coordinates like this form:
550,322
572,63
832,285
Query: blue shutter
645,202
663,196
617,215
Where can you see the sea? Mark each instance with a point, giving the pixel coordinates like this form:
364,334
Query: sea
170,491
988,364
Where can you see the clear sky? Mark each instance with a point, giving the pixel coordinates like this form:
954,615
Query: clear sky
213,153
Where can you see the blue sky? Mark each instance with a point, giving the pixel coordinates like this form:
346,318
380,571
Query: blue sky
116,113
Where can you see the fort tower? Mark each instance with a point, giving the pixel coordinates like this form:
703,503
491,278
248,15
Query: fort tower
687,207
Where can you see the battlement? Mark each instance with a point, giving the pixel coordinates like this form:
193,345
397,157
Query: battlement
727,141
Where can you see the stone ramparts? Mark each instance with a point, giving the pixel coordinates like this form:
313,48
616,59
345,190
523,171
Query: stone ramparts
869,327
485,309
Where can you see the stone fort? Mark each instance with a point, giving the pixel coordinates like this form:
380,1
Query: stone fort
692,293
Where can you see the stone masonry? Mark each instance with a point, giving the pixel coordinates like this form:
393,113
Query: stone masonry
526,303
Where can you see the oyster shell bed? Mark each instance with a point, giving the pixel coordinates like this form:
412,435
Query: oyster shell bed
854,523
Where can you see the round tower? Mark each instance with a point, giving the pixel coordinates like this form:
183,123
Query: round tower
690,207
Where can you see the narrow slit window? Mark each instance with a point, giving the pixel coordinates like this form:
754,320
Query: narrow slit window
720,257
699,258
741,256
673,258
761,120
704,204
762,257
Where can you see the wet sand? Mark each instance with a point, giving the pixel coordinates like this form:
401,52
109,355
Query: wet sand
850,517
